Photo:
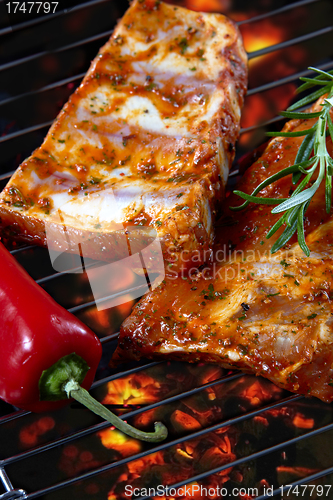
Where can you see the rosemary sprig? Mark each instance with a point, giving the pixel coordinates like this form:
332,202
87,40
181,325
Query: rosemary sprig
305,165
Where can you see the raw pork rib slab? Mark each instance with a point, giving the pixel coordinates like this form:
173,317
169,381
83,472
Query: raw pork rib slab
146,140
266,314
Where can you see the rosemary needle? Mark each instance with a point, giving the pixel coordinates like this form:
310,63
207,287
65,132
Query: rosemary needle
305,166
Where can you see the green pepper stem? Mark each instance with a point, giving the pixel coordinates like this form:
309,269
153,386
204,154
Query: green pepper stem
74,390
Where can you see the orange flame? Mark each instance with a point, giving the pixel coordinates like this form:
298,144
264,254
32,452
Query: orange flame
183,421
108,321
295,472
116,440
257,393
135,389
257,36
208,5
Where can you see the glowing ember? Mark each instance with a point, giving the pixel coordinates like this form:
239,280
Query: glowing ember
208,5
257,36
112,438
295,472
183,421
178,464
257,393
30,434
75,460
302,422
260,108
185,460
107,321
137,389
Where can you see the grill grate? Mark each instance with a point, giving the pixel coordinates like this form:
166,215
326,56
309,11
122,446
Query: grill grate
73,425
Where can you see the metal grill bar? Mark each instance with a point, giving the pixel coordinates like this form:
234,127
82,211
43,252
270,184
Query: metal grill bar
13,416
17,250
5,479
126,373
26,59
287,79
10,494
113,336
108,297
24,131
262,125
266,123
50,277
51,86
281,10
288,43
7,175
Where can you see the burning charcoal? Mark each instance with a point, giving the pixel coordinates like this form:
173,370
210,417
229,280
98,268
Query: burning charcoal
184,422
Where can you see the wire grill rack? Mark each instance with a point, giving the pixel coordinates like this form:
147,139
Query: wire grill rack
17,140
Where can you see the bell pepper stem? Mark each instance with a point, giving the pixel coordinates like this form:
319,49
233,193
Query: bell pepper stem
75,391
63,379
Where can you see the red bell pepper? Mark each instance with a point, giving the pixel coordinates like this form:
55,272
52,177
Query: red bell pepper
46,353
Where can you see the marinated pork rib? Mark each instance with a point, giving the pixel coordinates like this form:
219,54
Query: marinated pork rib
267,314
146,140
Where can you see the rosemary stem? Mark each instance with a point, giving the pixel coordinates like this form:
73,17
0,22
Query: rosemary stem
306,163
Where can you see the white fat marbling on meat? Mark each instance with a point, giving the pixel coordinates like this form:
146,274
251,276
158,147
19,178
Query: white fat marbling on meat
59,200
233,355
102,206
207,216
213,106
222,160
133,110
